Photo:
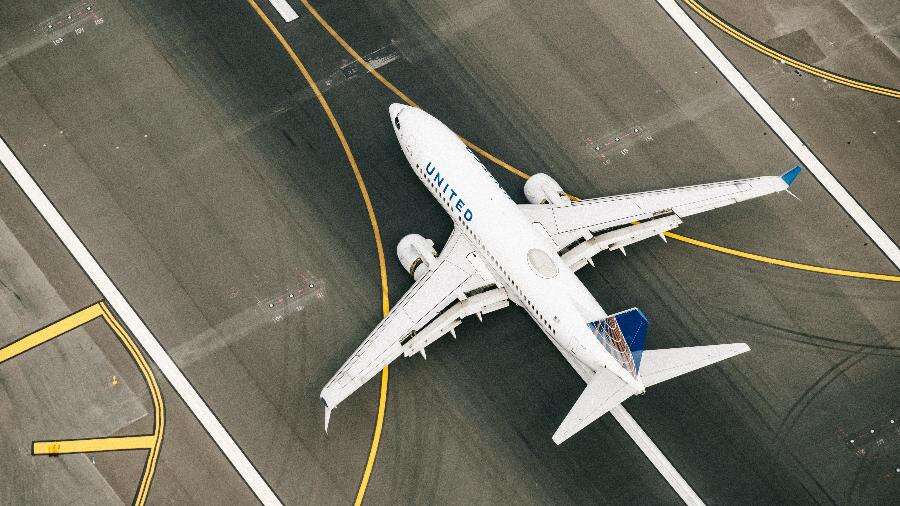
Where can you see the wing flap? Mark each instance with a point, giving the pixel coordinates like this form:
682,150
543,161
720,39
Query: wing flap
423,303
480,304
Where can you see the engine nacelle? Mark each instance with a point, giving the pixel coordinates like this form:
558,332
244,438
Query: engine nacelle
543,189
416,254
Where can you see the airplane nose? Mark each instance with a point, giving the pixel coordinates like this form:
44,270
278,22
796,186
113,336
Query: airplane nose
396,109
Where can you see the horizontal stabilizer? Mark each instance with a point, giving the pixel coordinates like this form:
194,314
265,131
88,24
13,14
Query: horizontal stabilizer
661,365
604,391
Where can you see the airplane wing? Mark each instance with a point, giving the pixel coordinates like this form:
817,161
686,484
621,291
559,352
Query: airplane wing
584,228
421,316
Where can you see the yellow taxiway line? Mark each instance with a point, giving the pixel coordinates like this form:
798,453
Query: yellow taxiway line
149,442
159,409
49,332
682,238
370,210
782,263
103,444
757,45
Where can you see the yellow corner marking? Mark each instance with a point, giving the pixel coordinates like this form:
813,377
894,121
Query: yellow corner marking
149,442
370,210
702,244
755,44
159,419
49,332
104,444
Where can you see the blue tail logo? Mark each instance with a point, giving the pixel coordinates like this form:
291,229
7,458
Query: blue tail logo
622,334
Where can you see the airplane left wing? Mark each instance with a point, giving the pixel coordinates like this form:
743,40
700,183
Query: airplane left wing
421,316
584,228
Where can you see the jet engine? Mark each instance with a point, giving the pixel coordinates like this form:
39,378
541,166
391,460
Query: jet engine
543,189
416,254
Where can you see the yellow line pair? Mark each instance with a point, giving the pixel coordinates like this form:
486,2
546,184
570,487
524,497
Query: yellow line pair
149,442
749,41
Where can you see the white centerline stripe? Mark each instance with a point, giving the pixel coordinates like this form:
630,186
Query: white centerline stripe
765,111
137,327
665,468
285,9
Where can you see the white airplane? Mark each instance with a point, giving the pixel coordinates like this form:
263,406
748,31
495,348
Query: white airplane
502,252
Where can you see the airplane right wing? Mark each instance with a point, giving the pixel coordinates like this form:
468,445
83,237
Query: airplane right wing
584,228
456,285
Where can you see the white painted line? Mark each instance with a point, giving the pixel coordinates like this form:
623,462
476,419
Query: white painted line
137,327
765,111
285,9
665,468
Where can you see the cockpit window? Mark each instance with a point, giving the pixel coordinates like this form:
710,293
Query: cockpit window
397,121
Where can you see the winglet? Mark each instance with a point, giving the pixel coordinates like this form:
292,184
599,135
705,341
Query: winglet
327,415
789,176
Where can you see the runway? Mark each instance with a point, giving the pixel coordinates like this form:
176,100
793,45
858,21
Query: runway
183,146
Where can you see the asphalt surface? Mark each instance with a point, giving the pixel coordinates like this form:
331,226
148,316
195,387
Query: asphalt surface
186,150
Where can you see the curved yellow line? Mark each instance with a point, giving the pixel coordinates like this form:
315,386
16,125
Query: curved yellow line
385,301
757,45
159,421
751,256
783,263
117,443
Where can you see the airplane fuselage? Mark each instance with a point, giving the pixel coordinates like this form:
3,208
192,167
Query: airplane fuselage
519,254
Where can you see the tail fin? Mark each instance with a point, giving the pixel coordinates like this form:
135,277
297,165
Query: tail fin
622,334
662,365
789,176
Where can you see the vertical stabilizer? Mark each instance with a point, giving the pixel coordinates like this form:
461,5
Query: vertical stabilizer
622,334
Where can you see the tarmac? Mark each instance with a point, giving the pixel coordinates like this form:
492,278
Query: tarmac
183,146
